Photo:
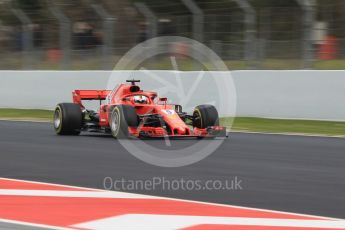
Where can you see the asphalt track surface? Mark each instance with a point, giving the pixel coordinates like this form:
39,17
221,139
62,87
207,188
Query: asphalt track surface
11,226
286,173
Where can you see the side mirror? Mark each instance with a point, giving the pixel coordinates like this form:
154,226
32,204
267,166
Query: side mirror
164,99
178,108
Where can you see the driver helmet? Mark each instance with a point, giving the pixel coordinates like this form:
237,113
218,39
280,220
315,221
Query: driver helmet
140,99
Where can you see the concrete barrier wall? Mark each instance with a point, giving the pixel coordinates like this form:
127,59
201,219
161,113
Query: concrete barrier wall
291,94
44,89
280,94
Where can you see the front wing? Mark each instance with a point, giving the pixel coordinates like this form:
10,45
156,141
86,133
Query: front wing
159,132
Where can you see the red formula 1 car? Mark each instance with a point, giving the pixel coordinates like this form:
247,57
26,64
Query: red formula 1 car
130,111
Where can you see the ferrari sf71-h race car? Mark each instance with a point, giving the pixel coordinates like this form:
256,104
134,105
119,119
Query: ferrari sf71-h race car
132,112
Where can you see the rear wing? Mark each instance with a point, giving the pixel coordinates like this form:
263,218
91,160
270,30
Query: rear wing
80,95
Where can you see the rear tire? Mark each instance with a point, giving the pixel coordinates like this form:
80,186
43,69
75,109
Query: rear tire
122,117
205,116
68,119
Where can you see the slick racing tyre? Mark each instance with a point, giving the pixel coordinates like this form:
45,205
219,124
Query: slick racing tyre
68,119
205,116
121,117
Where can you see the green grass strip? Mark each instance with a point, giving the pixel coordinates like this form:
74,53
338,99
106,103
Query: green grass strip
26,114
329,128
332,128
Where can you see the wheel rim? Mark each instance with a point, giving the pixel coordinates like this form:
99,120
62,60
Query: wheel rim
197,119
114,122
57,118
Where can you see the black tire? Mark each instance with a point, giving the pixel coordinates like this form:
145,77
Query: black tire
68,119
120,118
205,116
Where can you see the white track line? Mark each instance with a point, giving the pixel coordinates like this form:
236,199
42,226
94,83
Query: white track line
75,194
288,134
169,222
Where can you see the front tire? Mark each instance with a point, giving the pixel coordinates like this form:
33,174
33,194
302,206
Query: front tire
205,116
121,117
68,119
